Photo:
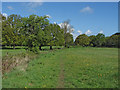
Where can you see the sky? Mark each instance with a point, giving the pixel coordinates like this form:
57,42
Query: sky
88,18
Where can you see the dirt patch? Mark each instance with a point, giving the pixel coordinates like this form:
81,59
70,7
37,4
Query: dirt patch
10,62
61,76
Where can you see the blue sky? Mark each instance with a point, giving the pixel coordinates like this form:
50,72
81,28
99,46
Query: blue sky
86,17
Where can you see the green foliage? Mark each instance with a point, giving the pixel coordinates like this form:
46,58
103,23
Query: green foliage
35,49
112,41
92,40
100,40
82,40
36,31
10,30
68,40
54,35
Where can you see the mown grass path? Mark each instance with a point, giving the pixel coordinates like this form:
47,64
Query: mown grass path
61,74
68,68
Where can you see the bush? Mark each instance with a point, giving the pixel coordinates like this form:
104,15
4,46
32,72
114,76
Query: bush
35,49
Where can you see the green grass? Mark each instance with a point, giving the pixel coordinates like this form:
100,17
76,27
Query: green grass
21,50
12,52
81,68
54,47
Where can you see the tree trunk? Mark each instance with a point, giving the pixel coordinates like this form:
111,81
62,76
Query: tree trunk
50,47
14,46
40,48
65,45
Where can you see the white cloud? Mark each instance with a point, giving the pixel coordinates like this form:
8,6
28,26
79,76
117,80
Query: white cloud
55,23
60,24
88,32
86,10
10,7
4,14
80,32
74,36
48,16
64,24
34,4
71,29
101,31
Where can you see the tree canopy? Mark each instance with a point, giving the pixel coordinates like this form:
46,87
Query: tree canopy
82,40
33,31
37,31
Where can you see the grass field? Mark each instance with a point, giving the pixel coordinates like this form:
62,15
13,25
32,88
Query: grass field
68,68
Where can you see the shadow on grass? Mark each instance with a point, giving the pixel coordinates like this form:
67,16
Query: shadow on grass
45,49
10,48
50,49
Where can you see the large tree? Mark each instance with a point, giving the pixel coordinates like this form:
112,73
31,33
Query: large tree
92,40
54,35
100,40
82,40
112,41
34,27
68,29
2,22
10,30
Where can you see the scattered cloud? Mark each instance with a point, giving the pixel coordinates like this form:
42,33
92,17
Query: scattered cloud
80,32
55,23
74,36
71,29
86,10
63,24
4,14
31,10
48,16
10,7
101,31
34,4
60,25
88,32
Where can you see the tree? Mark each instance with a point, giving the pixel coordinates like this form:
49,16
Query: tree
92,40
34,31
82,40
42,23
69,39
1,29
2,23
31,30
11,28
23,34
54,35
100,40
68,29
112,41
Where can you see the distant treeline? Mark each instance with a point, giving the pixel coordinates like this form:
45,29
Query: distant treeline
37,31
98,41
